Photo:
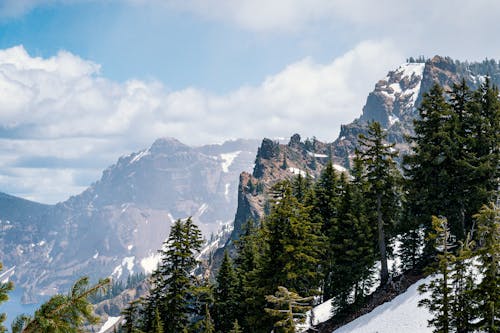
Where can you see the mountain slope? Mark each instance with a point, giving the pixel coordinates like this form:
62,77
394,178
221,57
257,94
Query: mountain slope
116,226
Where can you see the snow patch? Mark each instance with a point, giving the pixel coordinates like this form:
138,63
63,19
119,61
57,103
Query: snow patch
130,247
202,209
139,156
296,171
316,155
96,255
227,160
339,168
402,314
129,263
109,324
226,191
393,120
150,263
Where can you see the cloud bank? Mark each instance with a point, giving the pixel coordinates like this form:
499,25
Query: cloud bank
62,122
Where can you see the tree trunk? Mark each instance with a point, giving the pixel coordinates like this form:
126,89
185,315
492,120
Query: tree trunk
384,272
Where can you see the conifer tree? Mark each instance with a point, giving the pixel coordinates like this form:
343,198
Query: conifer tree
381,176
487,293
174,287
131,317
351,250
157,324
325,211
439,303
462,284
289,308
427,178
5,287
225,296
246,261
62,313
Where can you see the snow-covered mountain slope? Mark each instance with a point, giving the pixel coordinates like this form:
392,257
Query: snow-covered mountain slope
116,226
399,315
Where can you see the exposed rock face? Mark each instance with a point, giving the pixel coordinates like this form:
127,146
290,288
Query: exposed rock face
117,225
393,102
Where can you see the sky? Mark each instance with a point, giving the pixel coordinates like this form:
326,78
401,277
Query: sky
83,82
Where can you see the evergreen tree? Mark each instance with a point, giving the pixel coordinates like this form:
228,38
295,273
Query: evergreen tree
62,313
225,296
439,303
325,203
289,308
291,251
207,325
426,172
131,317
381,176
487,293
351,250
174,287
5,287
462,282
157,324
246,261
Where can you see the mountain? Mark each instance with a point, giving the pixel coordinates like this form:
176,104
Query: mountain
393,102
116,226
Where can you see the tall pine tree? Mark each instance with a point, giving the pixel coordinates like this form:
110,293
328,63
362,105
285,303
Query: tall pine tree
381,176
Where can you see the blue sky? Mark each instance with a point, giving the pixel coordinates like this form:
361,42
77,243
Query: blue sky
83,82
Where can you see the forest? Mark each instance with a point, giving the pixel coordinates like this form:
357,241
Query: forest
332,238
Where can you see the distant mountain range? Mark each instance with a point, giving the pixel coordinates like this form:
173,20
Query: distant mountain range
116,226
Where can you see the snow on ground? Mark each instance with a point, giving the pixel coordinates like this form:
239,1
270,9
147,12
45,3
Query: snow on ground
109,324
296,171
393,120
226,191
402,314
150,263
227,160
317,155
140,155
339,168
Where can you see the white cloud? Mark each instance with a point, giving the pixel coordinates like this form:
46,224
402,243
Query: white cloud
60,114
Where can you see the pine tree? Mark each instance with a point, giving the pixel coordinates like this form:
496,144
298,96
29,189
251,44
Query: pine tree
225,296
62,313
157,324
427,178
131,317
351,249
462,281
381,176
289,308
439,303
487,293
174,287
5,287
326,198
246,262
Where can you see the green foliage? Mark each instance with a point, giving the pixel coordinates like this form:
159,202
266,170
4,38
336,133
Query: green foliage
236,328
63,313
439,287
5,287
487,293
382,178
175,291
225,296
289,308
